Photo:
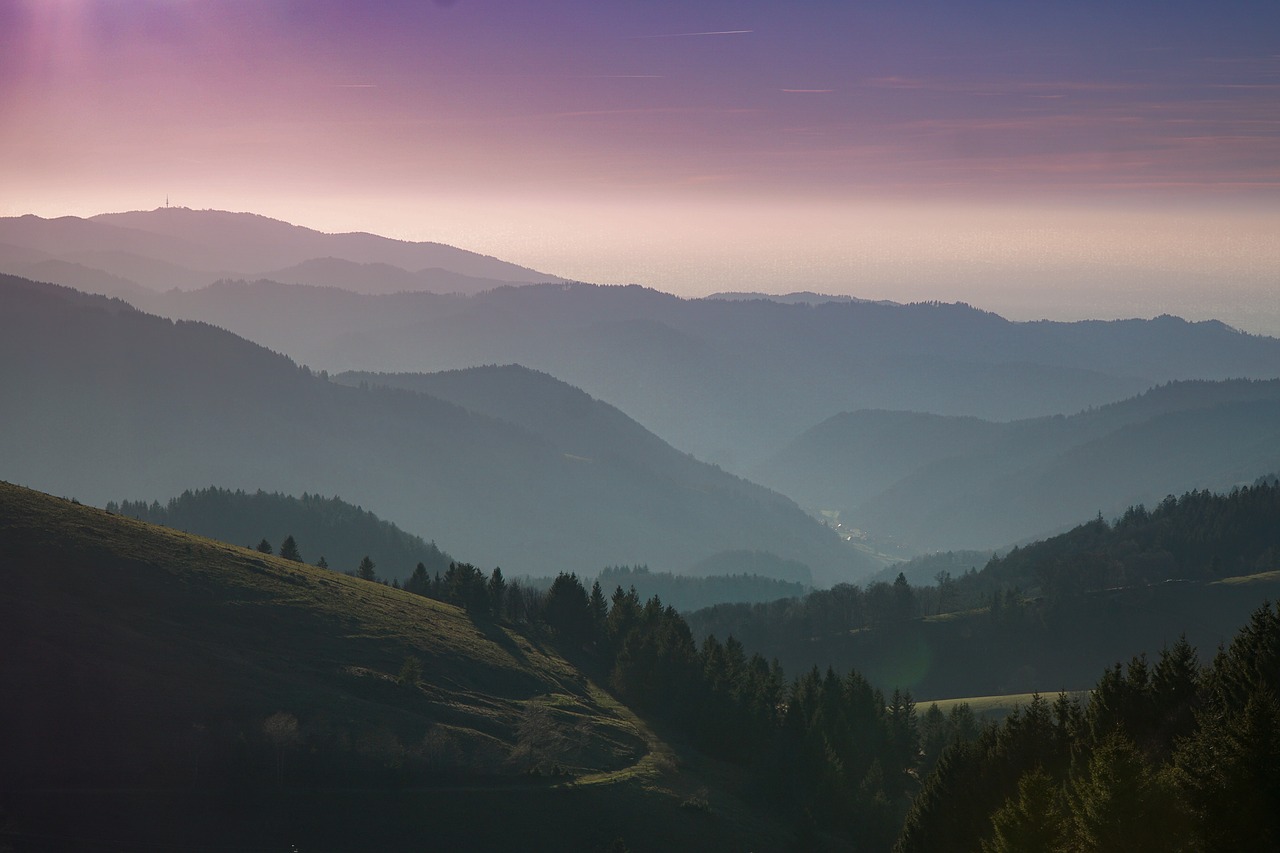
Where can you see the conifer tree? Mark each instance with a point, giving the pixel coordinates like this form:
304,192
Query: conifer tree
289,549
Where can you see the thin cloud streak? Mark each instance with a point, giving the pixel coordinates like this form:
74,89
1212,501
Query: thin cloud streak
693,35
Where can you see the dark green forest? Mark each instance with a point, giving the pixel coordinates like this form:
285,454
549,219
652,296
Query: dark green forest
1114,588
322,528
1167,756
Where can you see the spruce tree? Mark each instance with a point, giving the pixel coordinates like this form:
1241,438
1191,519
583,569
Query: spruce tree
289,549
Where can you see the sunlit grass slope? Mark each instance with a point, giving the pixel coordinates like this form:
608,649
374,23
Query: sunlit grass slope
172,689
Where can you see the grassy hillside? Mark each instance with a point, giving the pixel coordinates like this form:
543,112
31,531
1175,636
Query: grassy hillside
172,691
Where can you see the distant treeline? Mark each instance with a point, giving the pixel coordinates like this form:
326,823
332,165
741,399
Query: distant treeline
322,528
1200,536
1000,630
690,593
687,592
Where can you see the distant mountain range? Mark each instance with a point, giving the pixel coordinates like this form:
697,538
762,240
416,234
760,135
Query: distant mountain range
120,254
948,482
732,378
799,297
735,381
102,400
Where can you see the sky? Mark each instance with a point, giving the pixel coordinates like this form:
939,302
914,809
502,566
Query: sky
1060,160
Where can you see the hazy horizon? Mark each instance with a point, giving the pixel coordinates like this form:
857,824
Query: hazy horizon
1091,161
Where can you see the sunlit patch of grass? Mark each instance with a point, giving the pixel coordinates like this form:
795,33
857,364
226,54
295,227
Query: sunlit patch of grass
1246,580
995,707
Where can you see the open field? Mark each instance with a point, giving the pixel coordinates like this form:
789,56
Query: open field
996,707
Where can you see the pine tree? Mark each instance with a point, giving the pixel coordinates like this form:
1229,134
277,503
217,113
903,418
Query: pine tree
599,611
1032,821
419,582
365,569
289,549
1118,803
497,589
264,546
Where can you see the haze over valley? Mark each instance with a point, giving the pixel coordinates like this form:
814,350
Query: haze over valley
639,427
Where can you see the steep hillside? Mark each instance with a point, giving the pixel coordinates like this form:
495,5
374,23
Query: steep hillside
585,429
108,401
950,482
177,693
328,528
555,411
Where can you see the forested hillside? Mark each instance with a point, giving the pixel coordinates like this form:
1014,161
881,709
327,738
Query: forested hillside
322,529
1164,756
1044,617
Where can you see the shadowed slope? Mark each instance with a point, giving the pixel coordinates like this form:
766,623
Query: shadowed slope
173,691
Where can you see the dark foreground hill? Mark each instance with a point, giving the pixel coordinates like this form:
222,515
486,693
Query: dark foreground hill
950,482
103,401
164,691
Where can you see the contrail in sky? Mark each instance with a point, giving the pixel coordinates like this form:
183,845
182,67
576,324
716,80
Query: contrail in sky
687,35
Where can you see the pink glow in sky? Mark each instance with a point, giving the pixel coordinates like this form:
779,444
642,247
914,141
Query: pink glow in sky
1085,159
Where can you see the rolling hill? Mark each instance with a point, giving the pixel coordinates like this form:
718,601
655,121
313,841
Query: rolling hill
173,692
939,482
105,401
380,278
181,248
733,382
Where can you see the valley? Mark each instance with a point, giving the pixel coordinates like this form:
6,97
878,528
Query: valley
482,567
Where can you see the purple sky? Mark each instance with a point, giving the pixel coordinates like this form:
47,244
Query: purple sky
1041,159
